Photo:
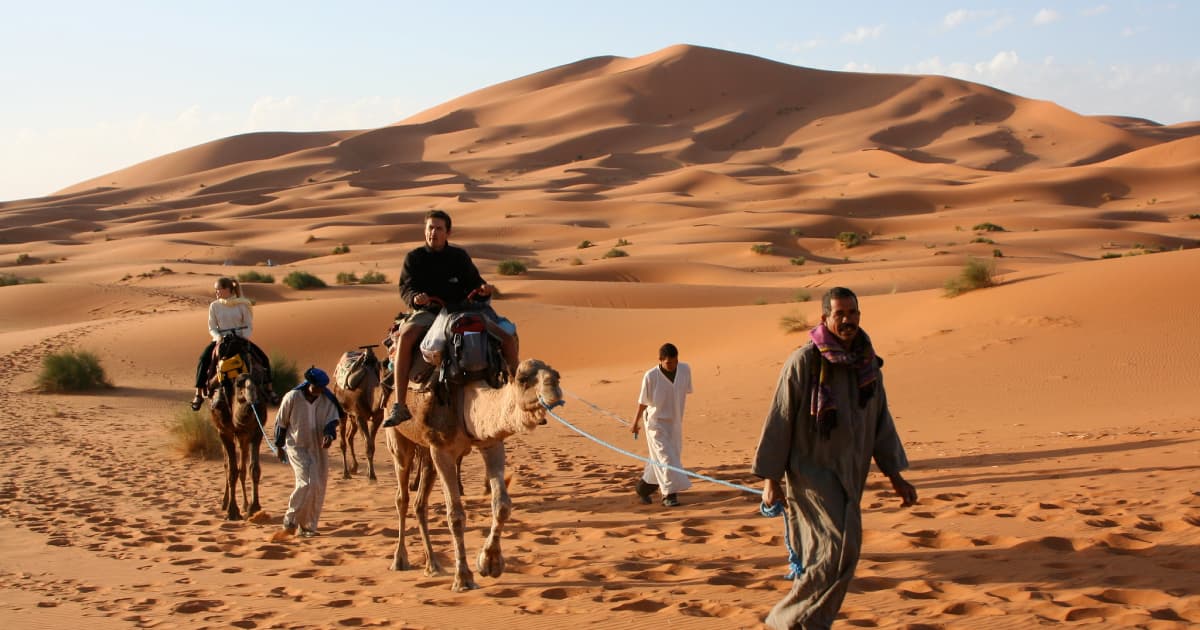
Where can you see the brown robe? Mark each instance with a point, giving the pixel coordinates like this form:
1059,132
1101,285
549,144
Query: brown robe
823,481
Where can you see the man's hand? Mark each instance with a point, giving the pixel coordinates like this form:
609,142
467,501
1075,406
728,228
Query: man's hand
907,492
421,299
636,428
485,290
772,492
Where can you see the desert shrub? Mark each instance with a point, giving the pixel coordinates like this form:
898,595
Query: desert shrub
802,296
615,253
798,260
849,239
8,279
342,249
623,243
193,434
981,239
794,323
796,232
71,371
1194,216
1110,255
373,277
976,274
255,276
346,278
511,267
997,253
24,259
301,280
576,262
284,373
584,244
762,248
987,227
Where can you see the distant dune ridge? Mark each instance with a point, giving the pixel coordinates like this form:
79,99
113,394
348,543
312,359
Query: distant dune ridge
690,195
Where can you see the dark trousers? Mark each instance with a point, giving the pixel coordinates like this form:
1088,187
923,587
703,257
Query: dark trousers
204,366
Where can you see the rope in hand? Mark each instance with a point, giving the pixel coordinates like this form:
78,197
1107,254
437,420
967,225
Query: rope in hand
795,564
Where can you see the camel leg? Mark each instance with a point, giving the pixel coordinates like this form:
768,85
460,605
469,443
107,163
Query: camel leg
244,472
446,464
343,430
360,422
255,470
425,481
491,560
402,463
231,475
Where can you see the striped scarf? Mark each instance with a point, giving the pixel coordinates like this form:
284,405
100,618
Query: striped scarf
860,356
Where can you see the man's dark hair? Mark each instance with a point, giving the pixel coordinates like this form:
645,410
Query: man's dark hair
836,293
438,214
668,351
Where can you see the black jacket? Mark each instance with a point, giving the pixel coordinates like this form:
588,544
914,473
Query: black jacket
449,274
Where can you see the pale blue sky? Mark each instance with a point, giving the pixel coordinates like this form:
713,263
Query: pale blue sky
90,87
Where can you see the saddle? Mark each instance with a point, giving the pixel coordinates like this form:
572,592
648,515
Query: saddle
466,352
354,365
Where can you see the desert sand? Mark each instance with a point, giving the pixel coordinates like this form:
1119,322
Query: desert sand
1051,420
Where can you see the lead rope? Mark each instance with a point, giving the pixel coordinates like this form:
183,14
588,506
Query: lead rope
795,564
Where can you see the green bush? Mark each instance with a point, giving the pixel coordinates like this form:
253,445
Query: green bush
799,260
1194,216
584,244
850,239
988,227
981,239
8,279
803,296
762,248
193,434
71,371
997,253
255,276
1110,255
342,249
284,373
373,277
301,280
976,274
346,278
24,259
511,267
576,261
623,243
794,323
615,253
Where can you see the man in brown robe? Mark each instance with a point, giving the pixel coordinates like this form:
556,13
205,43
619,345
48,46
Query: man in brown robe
829,418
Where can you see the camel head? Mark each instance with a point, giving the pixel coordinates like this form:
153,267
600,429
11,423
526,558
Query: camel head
538,383
246,391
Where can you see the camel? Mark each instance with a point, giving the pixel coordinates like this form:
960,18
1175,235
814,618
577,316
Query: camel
233,412
363,414
441,428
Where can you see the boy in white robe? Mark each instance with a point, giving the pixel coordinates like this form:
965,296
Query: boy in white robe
661,401
305,427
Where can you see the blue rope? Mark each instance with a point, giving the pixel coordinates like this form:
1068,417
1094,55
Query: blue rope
795,564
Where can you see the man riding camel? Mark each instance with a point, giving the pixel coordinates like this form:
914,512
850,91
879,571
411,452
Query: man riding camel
434,276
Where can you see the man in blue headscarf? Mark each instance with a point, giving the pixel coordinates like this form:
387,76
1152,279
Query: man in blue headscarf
305,427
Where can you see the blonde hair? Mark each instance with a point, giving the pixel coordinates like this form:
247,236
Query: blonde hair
229,283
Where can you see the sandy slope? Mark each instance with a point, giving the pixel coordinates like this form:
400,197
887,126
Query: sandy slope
1050,420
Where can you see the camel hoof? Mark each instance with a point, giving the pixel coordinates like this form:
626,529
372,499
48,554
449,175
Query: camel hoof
490,564
400,566
462,586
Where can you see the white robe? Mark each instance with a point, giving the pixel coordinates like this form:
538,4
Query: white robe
305,423
664,402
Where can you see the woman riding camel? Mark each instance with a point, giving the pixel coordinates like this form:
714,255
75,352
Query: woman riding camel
230,312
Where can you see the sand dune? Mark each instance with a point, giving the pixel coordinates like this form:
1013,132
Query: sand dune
1050,419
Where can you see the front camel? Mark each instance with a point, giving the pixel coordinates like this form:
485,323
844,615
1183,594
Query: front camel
473,415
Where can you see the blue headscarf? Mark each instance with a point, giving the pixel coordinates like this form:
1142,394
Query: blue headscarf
315,376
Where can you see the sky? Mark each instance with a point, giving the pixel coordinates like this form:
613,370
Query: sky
87,88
